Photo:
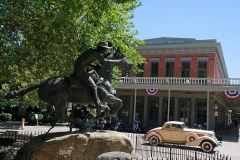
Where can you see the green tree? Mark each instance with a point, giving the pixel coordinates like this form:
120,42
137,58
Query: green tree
42,38
6,102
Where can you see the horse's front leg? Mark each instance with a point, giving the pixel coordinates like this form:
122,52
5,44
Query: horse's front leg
111,99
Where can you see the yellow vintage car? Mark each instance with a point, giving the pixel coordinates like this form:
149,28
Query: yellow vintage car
178,132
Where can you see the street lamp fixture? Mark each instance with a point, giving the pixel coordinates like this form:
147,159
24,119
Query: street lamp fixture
216,115
216,106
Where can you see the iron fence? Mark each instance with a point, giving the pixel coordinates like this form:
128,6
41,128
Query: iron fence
169,151
160,152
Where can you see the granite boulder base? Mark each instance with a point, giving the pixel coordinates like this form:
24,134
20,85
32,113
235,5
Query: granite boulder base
69,146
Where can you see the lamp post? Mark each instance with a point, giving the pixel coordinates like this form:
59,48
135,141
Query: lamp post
216,115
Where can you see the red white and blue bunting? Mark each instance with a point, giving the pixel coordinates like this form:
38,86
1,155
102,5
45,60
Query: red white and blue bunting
152,91
232,95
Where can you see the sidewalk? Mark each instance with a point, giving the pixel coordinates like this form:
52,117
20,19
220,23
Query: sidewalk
17,125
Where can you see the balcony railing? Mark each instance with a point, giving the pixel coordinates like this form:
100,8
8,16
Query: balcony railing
180,80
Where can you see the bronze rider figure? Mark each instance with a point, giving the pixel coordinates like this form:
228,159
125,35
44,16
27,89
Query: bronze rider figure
86,58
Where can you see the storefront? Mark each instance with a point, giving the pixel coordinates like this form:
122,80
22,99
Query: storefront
182,80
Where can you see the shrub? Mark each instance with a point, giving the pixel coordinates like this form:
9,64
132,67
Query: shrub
5,117
30,118
49,118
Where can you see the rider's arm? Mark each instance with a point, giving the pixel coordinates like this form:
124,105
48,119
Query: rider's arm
112,61
109,61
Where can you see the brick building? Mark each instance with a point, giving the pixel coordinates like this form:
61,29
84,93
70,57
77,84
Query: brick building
189,77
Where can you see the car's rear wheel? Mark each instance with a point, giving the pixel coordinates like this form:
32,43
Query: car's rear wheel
154,141
207,146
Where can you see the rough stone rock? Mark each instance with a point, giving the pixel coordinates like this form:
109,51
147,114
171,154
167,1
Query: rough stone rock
115,155
69,146
6,154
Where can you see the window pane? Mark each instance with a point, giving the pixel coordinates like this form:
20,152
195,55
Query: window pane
125,73
185,69
154,69
185,115
165,110
140,74
124,111
139,108
202,113
169,69
153,110
202,69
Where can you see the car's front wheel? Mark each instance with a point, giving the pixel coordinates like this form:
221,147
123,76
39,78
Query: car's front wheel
207,146
154,141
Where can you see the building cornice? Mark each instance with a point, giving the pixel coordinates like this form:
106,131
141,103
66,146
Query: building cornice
196,48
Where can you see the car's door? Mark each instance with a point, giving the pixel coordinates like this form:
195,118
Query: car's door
177,134
165,132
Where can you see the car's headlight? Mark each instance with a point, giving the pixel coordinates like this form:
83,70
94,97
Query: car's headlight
211,135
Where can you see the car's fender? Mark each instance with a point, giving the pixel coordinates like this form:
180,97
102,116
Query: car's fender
198,141
191,137
153,134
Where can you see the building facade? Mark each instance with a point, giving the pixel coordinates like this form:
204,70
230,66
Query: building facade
187,78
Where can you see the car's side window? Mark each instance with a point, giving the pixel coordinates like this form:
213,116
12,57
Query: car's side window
174,126
179,126
167,126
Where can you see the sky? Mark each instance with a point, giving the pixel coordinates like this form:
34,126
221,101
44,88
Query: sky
199,19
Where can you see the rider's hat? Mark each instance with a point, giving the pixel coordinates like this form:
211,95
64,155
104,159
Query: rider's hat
106,44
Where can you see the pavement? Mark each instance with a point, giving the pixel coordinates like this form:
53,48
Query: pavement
230,136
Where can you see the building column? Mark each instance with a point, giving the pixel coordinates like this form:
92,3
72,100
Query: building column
160,109
193,111
176,113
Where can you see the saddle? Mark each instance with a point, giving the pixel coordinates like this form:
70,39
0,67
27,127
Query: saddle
75,83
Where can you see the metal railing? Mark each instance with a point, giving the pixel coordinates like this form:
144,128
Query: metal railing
172,151
180,80
166,151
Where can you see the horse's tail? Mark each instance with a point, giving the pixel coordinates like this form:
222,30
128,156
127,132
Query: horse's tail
21,92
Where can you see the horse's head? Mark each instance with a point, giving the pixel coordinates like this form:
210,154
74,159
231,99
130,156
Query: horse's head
126,64
105,69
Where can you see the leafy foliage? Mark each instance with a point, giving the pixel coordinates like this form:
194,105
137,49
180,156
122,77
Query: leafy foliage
42,38
5,102
5,117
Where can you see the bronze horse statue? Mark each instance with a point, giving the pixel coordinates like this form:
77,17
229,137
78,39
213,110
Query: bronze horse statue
58,91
